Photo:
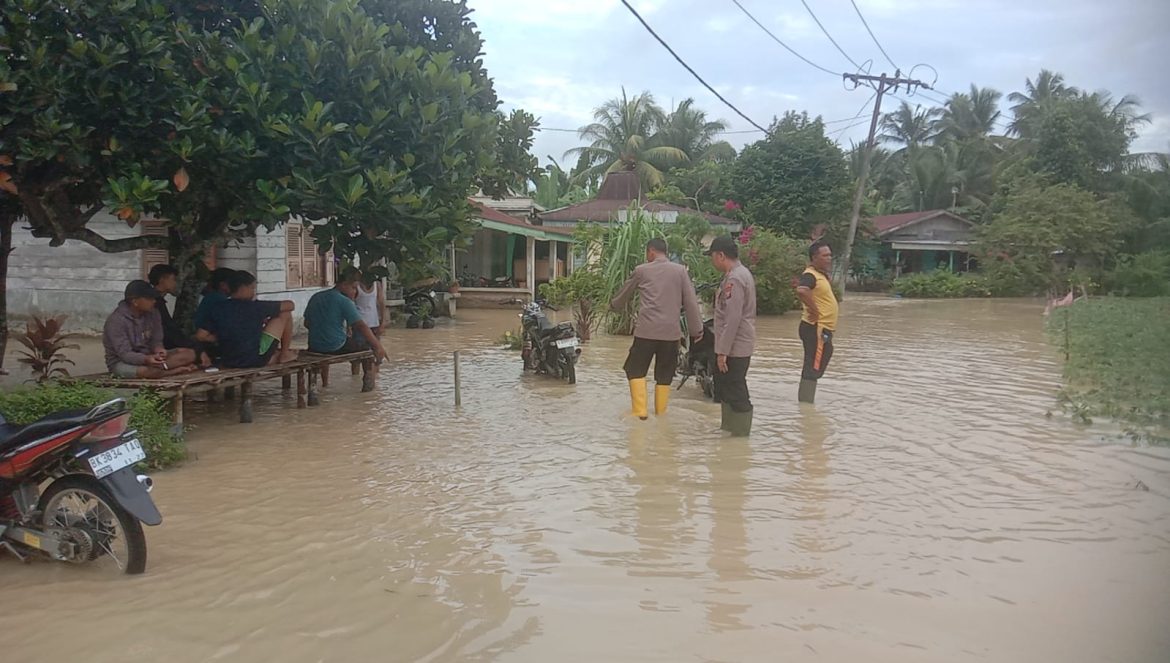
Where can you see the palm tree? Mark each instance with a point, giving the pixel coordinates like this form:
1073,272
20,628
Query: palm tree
688,129
621,138
1049,86
909,126
970,115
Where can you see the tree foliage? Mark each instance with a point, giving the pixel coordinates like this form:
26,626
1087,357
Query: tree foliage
793,180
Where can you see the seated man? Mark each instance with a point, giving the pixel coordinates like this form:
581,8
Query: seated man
217,291
250,333
328,313
133,338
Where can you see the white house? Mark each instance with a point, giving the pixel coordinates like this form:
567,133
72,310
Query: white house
85,284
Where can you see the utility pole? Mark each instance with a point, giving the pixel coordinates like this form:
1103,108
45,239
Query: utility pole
884,84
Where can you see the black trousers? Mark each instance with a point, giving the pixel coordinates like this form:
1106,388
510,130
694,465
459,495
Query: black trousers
818,349
731,387
664,354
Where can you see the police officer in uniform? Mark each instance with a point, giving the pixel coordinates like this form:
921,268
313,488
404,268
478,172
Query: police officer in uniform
819,321
735,335
664,290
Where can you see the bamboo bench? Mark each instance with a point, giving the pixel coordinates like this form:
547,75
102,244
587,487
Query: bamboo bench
308,368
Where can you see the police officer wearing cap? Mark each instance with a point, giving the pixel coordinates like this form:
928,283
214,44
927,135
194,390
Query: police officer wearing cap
735,335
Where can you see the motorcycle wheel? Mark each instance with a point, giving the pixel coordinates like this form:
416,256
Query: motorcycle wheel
707,380
78,501
570,367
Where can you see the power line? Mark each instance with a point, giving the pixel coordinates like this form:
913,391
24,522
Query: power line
778,41
728,132
822,27
872,36
861,111
688,67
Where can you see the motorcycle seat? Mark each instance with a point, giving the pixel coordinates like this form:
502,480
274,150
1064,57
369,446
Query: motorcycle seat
545,324
12,436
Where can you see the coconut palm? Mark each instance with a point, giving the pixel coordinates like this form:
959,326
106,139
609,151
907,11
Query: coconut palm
909,126
621,138
1048,86
688,129
969,115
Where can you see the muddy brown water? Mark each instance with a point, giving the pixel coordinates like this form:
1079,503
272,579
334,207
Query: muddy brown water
924,510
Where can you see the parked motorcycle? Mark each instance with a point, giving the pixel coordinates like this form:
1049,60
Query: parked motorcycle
548,348
697,359
94,506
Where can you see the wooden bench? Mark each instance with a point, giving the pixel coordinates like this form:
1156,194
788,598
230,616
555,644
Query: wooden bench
308,367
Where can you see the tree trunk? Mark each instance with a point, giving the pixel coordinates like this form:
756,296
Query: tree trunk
187,258
6,223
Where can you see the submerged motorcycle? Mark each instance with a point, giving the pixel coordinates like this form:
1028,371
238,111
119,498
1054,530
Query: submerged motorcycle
68,489
548,348
697,359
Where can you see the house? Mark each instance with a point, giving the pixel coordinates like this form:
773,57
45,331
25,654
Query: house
79,281
618,193
509,257
925,241
520,207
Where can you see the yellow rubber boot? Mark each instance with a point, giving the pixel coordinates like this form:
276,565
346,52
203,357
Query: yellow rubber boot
638,397
661,398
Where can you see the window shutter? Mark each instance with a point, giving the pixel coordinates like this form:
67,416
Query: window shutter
152,257
293,253
310,261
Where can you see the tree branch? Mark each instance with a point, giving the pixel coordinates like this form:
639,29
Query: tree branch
117,245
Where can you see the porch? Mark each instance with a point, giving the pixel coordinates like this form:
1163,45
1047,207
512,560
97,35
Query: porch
508,259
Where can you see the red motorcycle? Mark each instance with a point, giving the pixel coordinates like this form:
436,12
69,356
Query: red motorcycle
68,489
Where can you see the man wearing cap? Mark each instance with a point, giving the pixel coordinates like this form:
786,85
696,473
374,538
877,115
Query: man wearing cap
735,335
133,338
819,322
664,290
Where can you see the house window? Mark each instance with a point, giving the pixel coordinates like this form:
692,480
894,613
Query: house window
305,265
152,257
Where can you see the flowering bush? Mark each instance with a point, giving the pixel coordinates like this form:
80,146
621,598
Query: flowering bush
776,261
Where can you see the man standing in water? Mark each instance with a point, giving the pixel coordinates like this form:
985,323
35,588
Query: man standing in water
735,335
665,289
819,320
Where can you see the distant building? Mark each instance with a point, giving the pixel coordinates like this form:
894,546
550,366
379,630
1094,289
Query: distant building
925,241
618,193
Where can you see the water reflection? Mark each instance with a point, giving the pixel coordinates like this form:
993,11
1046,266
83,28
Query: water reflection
727,466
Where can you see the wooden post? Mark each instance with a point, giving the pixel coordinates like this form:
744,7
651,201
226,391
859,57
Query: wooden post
530,266
458,386
355,367
177,414
246,402
286,381
301,389
314,398
369,374
324,376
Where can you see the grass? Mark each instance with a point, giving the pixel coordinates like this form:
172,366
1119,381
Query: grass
1118,363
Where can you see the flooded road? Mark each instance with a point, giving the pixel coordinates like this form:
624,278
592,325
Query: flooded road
924,510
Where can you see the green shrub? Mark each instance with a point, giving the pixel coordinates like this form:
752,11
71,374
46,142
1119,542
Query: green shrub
941,284
148,414
775,261
1141,275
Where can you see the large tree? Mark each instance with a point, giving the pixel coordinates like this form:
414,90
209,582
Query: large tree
794,180
622,137
374,116
1049,86
689,129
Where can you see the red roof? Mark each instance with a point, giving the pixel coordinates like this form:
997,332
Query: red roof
891,222
485,212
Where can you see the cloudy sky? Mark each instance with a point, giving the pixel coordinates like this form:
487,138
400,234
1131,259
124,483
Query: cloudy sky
561,58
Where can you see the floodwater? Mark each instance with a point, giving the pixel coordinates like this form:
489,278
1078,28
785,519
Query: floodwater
925,510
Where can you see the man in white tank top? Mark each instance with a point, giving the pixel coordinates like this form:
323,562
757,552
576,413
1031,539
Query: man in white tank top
371,302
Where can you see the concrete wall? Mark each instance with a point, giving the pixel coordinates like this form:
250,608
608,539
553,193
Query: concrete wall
73,279
271,275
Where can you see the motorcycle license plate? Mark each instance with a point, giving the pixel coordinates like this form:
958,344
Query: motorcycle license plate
112,460
568,343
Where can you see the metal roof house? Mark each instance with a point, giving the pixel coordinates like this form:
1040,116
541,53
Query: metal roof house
927,240
619,191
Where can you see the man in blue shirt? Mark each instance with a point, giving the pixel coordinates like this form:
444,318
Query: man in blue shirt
218,290
328,314
250,333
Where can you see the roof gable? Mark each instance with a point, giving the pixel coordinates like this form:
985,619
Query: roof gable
889,223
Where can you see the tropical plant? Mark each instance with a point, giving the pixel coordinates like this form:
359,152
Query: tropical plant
44,345
584,292
622,248
970,115
775,261
794,180
909,126
1036,96
622,138
688,129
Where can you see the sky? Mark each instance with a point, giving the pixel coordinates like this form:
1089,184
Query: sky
559,59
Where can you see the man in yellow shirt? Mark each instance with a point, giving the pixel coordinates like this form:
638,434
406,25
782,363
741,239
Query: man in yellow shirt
819,321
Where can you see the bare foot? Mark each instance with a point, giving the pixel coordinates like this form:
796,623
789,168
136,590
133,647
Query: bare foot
287,356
